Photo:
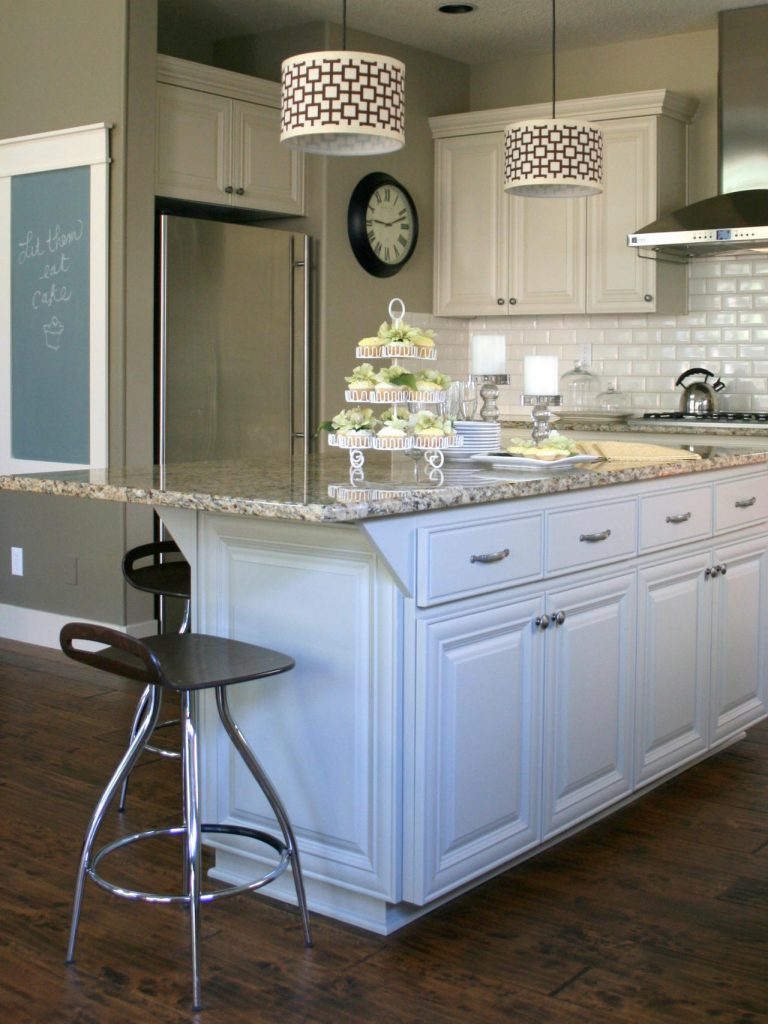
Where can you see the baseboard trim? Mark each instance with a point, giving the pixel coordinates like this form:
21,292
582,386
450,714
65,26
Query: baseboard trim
31,626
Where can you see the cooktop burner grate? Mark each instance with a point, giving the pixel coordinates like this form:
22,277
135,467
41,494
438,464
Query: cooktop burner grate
711,417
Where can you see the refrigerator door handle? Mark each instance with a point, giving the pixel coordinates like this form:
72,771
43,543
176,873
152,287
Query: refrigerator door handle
303,434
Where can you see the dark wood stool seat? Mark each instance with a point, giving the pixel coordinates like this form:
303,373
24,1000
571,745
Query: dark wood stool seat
165,575
186,663
171,578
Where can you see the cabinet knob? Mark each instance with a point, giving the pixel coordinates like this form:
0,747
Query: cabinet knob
648,298
542,621
715,570
229,190
560,618
239,191
722,568
513,302
499,302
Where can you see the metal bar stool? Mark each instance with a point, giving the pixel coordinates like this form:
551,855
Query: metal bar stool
186,663
169,578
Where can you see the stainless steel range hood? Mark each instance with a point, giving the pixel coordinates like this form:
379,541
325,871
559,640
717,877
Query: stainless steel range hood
736,221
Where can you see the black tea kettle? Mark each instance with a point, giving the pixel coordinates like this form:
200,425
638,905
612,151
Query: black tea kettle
699,398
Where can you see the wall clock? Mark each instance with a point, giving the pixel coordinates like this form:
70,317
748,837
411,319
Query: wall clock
382,224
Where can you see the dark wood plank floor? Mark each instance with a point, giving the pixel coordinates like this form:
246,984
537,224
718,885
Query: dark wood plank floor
658,914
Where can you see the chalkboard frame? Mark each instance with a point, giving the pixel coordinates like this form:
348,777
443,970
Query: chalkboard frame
84,146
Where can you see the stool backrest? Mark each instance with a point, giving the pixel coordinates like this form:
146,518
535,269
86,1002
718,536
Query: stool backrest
152,550
142,666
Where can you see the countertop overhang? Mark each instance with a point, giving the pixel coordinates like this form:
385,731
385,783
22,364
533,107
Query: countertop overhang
318,488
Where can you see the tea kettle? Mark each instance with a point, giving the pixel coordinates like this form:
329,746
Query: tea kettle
699,398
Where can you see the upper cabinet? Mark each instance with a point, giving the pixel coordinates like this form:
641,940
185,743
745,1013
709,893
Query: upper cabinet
502,255
218,140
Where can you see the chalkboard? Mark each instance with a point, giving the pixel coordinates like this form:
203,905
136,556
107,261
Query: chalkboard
50,315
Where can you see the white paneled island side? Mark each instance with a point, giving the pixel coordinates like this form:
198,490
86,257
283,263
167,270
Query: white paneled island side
484,664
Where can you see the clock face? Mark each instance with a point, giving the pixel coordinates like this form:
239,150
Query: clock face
383,224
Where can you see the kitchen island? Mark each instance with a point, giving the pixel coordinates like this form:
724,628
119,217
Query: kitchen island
485,663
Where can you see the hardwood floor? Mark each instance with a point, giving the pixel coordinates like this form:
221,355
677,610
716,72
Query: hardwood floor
657,914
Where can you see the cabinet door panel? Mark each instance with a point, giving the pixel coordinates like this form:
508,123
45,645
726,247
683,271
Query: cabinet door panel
672,719
471,265
588,701
193,145
476,789
548,255
271,175
739,666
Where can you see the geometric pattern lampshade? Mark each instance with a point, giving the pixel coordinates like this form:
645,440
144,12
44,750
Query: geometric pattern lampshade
553,157
343,103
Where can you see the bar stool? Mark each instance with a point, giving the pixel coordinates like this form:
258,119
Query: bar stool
185,663
170,578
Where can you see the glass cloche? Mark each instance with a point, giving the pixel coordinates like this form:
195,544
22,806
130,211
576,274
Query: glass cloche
614,402
579,389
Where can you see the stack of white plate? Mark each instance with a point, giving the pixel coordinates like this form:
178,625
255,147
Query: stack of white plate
479,438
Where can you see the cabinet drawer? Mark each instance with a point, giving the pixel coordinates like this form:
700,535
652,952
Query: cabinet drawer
675,516
461,561
741,502
591,535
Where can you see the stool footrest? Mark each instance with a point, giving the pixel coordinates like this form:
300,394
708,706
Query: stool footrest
180,830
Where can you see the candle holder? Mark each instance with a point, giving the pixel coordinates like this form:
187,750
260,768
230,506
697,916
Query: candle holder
540,415
489,392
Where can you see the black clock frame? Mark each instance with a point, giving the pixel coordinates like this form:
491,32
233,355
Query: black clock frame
358,234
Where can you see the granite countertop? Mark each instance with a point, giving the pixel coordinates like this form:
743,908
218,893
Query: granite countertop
318,489
637,425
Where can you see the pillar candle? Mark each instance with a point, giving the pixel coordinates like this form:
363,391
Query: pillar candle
540,375
489,354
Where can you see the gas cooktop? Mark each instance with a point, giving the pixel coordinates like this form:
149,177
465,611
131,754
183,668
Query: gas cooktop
710,417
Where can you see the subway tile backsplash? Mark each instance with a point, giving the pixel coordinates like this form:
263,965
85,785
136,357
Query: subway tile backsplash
725,330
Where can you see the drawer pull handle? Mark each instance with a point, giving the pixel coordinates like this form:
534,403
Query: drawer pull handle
497,556
746,503
683,517
595,538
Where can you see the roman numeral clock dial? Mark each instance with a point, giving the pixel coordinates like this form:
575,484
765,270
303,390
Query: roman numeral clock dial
382,224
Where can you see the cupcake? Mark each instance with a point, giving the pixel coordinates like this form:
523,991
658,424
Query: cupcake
361,383
431,384
433,431
394,384
394,432
353,428
425,345
370,347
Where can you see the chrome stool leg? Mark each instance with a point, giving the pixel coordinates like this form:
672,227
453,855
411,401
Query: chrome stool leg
241,745
192,882
122,771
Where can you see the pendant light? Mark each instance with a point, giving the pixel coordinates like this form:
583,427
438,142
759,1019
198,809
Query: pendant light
553,157
343,103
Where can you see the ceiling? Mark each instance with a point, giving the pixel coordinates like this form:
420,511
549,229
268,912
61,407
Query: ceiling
495,30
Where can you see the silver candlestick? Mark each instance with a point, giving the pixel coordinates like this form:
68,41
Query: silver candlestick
540,415
489,392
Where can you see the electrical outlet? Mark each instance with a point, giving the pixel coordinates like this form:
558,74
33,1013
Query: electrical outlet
586,354
17,561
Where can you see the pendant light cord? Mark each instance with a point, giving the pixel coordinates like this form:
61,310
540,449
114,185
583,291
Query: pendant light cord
553,57
344,24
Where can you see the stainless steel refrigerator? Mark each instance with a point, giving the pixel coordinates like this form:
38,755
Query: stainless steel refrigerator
234,346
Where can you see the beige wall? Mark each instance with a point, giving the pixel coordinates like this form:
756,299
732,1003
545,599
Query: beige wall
683,63
61,65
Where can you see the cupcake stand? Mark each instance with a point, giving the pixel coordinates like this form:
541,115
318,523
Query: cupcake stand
429,448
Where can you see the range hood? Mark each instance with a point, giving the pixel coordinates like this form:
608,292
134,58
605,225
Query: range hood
736,221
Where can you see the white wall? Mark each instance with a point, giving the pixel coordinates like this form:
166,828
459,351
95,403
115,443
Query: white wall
725,330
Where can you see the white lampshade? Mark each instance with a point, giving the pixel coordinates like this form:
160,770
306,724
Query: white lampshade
343,103
553,157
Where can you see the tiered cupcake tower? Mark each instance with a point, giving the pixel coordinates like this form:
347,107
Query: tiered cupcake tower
419,434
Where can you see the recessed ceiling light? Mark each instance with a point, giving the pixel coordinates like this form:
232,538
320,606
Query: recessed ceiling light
456,8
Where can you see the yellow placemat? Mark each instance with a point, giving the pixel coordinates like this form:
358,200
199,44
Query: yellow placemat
634,453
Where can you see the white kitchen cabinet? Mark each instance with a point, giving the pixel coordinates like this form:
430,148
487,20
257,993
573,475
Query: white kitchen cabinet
588,687
739,683
497,254
673,665
476,776
218,140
